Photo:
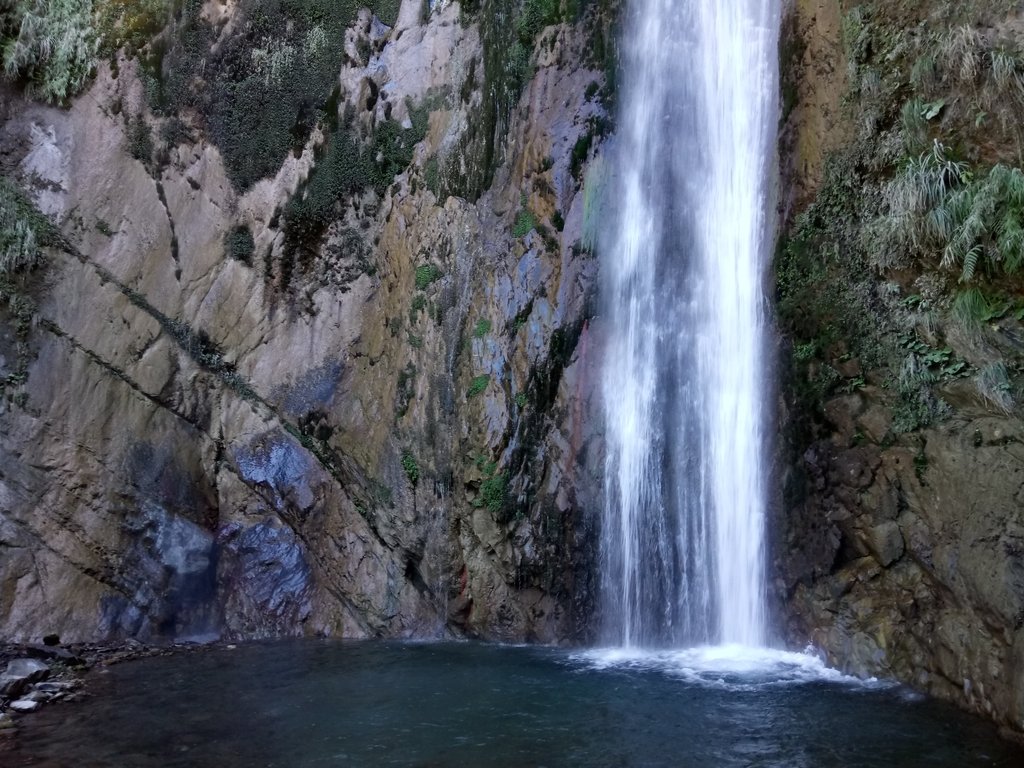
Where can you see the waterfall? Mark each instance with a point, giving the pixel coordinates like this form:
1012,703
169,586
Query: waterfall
683,251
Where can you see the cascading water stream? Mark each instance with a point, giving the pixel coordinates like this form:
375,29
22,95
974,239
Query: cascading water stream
683,258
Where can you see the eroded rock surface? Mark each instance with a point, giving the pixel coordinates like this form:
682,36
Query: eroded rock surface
898,533
381,436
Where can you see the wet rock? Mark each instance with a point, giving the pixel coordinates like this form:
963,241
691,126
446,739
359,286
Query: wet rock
172,567
20,674
53,653
264,572
6,722
25,705
52,687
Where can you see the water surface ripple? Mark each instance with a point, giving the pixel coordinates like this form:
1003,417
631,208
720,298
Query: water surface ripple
308,704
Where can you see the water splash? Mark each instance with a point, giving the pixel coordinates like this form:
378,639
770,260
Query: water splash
734,668
683,258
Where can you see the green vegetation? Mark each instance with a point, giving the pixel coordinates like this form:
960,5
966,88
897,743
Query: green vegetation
916,233
993,382
509,32
140,141
432,176
346,167
419,302
492,493
427,274
412,469
49,45
522,399
525,222
282,66
405,390
478,385
23,230
482,328
594,188
131,24
239,244
493,488
935,202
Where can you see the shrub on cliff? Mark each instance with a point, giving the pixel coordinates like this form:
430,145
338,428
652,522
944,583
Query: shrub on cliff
262,90
977,221
23,230
48,44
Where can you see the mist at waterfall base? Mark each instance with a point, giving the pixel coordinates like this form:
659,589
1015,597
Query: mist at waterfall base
458,705
682,254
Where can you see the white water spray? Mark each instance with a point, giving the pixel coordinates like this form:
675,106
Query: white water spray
683,259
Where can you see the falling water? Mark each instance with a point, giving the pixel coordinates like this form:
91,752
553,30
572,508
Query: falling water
683,257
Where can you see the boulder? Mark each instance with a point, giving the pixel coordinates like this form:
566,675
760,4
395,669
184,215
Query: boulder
886,543
25,705
20,674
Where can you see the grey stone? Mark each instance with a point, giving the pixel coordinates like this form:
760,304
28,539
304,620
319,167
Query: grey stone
886,543
25,705
876,423
20,674
52,687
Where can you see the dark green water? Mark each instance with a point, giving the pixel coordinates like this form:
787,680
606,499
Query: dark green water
292,705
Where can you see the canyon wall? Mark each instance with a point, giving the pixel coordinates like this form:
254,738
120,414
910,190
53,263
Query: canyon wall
899,535
308,352
309,343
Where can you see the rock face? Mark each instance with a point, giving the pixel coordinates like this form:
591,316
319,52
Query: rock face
380,436
898,537
20,674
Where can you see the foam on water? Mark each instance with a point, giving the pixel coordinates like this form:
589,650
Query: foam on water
727,667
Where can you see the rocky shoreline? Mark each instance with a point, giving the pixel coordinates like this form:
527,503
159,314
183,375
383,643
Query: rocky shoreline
37,674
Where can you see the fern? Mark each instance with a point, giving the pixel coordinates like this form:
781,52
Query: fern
1011,241
971,262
